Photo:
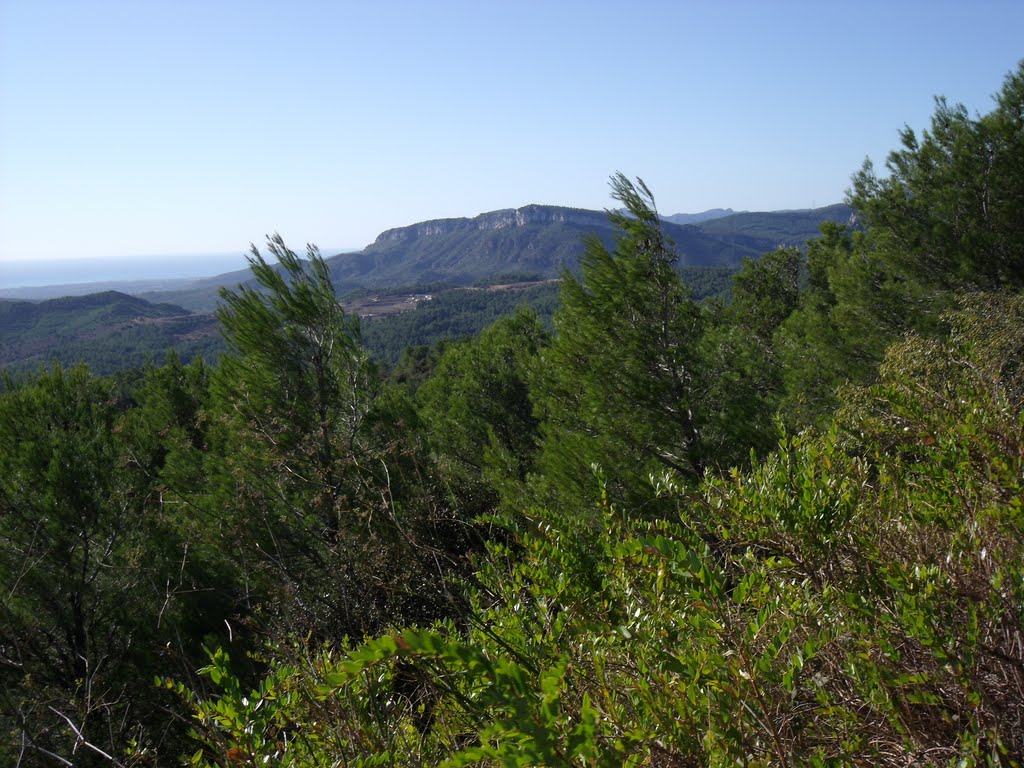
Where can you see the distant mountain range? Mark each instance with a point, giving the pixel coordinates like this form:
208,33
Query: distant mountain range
532,242
113,331
542,240
697,218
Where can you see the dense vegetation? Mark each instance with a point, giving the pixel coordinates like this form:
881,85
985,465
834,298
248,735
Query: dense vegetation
449,315
460,313
786,528
111,331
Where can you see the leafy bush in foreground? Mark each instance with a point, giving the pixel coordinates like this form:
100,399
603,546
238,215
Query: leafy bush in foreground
857,597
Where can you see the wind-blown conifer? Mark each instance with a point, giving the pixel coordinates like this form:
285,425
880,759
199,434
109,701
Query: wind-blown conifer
320,462
619,387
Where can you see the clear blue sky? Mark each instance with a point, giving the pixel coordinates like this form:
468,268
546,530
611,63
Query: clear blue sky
194,126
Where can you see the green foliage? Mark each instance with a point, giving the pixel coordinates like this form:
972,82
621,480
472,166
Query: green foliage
742,372
416,364
617,386
641,378
296,372
600,548
175,447
766,291
947,218
93,574
451,315
323,482
708,282
854,306
477,396
454,314
477,410
855,598
949,212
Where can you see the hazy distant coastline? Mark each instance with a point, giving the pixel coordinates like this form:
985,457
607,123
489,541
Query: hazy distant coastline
38,273
37,279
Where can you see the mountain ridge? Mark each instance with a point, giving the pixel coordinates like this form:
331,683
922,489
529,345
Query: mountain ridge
697,218
543,240
113,329
535,241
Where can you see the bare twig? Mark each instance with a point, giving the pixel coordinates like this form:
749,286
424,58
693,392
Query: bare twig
81,740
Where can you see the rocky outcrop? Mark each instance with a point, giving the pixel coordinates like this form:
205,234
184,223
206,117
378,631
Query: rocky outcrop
508,218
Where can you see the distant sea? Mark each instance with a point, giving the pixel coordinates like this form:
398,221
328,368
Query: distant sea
18,274
30,273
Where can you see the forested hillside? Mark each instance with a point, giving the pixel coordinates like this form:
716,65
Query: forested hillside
540,240
110,330
115,334
450,259
461,313
535,242
782,228
782,528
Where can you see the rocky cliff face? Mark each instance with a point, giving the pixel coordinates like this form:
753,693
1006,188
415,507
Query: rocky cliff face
509,218
543,240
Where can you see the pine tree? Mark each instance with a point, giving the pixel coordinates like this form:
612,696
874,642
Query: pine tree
296,373
477,409
619,386
90,566
950,212
318,463
853,307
